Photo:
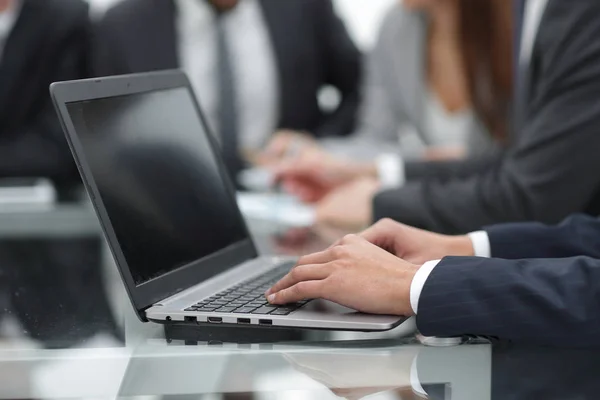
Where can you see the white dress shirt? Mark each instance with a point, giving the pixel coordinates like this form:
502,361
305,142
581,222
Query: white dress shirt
393,176
8,19
534,12
253,60
440,127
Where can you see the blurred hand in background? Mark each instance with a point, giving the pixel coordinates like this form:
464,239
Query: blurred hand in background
283,146
444,153
315,174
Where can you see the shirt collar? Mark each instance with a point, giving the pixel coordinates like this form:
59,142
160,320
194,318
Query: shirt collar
192,14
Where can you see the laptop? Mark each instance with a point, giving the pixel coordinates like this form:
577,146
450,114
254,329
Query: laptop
168,209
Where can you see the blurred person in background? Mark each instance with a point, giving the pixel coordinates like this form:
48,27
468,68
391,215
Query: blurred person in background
41,41
441,69
546,173
256,65
54,284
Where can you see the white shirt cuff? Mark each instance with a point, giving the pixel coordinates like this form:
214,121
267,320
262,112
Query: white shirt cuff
481,244
416,287
481,247
390,170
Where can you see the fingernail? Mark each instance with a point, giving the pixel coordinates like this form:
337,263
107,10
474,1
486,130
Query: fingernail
267,293
271,298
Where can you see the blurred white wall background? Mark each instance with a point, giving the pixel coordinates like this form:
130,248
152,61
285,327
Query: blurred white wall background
362,16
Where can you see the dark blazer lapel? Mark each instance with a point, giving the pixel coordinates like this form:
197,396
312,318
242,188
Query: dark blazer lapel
19,48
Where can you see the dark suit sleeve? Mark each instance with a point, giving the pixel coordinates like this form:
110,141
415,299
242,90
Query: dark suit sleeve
550,173
579,235
445,170
542,301
39,148
342,66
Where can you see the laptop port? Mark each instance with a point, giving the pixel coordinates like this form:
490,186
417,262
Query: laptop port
191,319
215,320
265,322
245,321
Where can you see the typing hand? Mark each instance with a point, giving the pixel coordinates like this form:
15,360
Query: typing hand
283,145
416,245
354,273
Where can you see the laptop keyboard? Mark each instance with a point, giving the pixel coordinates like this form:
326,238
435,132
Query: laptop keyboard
249,297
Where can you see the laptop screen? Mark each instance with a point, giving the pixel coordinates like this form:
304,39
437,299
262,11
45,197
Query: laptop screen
158,178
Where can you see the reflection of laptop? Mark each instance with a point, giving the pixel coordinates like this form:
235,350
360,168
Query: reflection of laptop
351,371
168,209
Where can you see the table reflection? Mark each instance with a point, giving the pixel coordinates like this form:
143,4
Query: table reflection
54,291
355,370
59,287
67,330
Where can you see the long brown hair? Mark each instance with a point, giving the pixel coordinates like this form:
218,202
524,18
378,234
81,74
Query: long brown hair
487,38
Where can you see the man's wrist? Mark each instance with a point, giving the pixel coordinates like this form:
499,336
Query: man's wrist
406,292
460,246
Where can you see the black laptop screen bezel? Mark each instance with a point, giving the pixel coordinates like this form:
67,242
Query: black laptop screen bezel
149,293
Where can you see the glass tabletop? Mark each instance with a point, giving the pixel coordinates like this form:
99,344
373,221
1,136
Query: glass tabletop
67,330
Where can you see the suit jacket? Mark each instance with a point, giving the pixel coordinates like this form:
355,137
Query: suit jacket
49,43
544,287
311,45
396,89
547,174
578,235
